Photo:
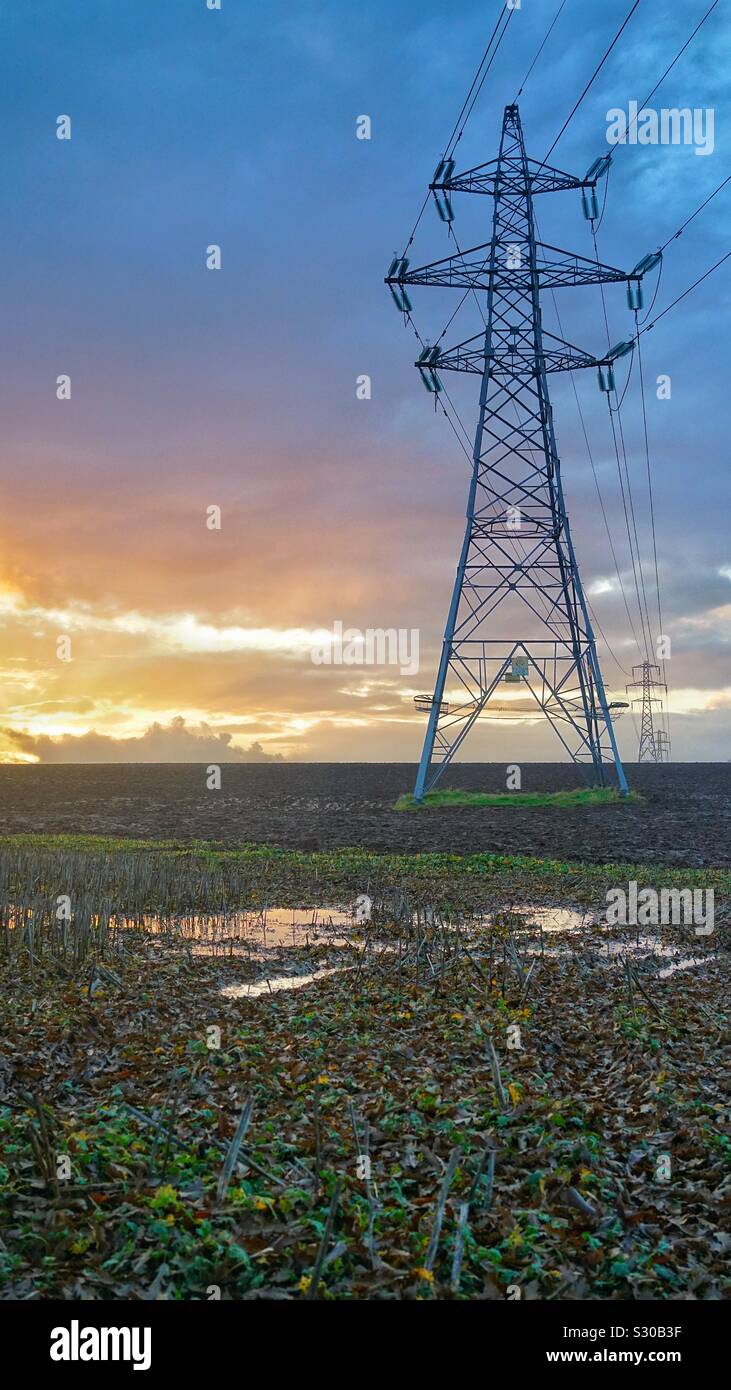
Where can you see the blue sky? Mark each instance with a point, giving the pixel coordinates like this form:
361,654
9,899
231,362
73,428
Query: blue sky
238,127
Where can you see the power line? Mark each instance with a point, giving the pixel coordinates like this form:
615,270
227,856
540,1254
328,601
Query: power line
678,55
620,399
475,79
645,329
629,530
628,510
473,291
453,316
453,427
416,224
633,515
652,507
598,69
599,495
458,418
688,220
595,74
606,641
649,482
546,37
501,36
657,291
608,531
503,18
694,286
444,410
604,201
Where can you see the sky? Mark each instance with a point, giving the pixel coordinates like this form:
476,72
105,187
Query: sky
131,627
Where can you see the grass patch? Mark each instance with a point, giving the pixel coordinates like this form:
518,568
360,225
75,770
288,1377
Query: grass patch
171,874
578,796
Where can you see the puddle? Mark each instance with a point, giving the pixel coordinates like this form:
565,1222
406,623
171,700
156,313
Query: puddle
545,918
555,918
255,988
679,965
272,928
267,935
651,949
338,926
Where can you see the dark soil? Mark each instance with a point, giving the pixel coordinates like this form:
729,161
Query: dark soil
685,818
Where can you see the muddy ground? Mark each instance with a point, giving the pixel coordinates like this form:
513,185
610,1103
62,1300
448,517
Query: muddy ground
685,818
588,1162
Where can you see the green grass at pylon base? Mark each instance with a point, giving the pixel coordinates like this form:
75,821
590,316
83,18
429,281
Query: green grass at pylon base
578,796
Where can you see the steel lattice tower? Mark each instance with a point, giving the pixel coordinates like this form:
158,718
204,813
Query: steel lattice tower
517,554
654,744
662,746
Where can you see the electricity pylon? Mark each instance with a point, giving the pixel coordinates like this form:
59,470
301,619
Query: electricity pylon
662,745
517,554
654,744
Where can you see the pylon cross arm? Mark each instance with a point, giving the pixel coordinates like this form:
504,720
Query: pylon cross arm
556,356
490,178
482,267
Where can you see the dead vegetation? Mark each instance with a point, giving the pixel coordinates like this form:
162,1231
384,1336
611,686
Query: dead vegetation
467,1108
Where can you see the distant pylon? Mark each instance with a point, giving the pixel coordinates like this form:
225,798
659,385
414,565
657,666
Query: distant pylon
654,745
662,745
517,554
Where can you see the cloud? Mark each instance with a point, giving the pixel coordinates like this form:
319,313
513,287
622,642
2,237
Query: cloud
175,742
332,508
181,632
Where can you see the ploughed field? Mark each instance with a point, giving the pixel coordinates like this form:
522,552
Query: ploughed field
291,1105
683,819
294,1074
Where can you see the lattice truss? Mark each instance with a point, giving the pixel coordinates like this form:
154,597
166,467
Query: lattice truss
517,555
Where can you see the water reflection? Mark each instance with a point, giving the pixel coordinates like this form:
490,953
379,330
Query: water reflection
253,988
271,928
